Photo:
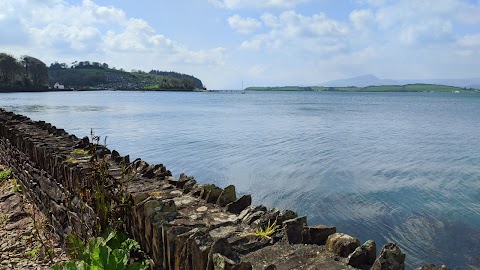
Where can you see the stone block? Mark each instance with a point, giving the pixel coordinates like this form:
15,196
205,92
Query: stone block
227,196
317,234
364,256
293,229
342,244
239,205
390,258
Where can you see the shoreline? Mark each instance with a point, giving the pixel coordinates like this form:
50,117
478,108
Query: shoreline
190,206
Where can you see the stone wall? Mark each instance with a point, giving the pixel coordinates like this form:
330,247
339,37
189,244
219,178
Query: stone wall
178,222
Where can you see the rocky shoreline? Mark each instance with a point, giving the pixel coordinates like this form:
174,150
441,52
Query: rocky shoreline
180,223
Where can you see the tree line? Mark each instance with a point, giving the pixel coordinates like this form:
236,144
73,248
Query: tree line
22,74
30,74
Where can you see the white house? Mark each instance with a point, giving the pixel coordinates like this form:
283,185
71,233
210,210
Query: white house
58,86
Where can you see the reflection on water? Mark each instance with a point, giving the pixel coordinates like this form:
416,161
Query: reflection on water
400,167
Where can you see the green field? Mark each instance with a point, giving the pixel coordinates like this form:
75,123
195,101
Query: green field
384,88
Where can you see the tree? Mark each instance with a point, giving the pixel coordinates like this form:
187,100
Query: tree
9,69
35,70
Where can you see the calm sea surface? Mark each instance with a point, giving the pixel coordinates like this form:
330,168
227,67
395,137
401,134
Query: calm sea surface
401,167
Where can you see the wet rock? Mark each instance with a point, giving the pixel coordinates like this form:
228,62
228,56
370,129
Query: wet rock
342,244
227,196
293,229
317,234
364,255
391,258
239,205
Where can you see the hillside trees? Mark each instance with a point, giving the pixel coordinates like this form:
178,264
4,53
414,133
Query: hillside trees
35,70
9,69
26,73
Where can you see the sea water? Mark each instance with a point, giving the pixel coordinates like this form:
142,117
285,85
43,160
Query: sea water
401,167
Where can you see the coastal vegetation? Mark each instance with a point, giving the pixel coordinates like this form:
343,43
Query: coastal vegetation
418,87
26,73
31,74
111,251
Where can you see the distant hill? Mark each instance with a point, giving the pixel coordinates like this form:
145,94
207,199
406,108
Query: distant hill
102,77
418,87
360,81
372,80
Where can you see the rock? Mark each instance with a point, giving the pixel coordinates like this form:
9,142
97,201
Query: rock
293,229
363,255
249,219
149,173
213,195
391,258
342,244
317,234
83,143
221,262
222,247
289,214
227,196
114,154
433,267
239,205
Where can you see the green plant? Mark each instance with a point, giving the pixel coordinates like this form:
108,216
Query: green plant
16,187
33,253
71,160
266,232
80,152
113,251
5,174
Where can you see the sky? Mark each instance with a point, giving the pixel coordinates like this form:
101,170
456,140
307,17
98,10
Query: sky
230,43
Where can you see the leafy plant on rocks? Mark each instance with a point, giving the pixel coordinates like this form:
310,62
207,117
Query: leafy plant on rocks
16,187
112,251
266,232
5,174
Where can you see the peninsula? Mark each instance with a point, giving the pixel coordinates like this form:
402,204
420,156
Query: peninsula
417,87
31,74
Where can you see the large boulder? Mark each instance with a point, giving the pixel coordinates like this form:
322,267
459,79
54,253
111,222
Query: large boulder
364,255
391,258
317,234
342,244
227,196
239,205
293,229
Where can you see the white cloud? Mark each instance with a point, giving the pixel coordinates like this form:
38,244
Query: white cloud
291,31
61,31
362,19
243,25
469,45
236,4
420,22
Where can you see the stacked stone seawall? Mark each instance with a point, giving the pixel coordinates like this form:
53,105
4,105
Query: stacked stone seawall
181,224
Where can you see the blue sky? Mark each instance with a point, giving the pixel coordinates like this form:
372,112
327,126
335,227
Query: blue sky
262,43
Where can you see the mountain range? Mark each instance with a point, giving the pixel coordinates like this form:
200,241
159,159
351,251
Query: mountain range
372,80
